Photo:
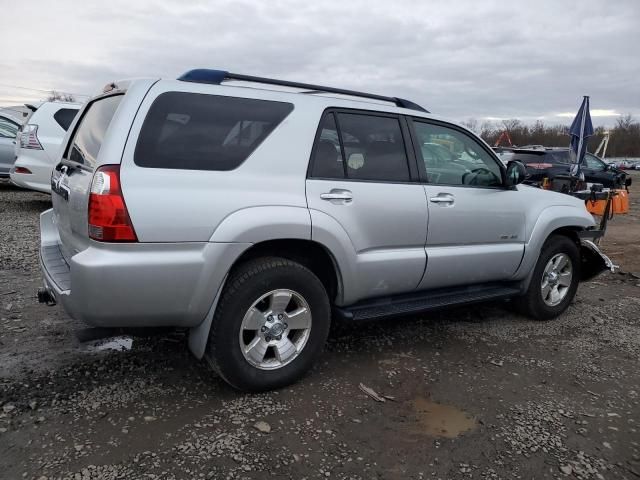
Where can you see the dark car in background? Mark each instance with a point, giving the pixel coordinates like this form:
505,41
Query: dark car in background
544,162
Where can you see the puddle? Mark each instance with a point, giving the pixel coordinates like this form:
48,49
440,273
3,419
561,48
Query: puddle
118,344
441,420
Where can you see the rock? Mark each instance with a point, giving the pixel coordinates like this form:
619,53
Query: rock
33,405
261,426
8,408
566,469
78,447
149,418
497,363
606,445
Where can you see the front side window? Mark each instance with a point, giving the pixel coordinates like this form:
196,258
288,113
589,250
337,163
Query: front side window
453,158
196,131
593,163
91,130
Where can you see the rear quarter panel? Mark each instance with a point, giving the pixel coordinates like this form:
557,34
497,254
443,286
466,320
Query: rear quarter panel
170,205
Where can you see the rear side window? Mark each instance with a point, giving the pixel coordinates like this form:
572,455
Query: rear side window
196,131
90,132
368,147
327,155
64,117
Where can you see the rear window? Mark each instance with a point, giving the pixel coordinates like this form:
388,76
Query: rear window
556,158
64,117
196,131
90,132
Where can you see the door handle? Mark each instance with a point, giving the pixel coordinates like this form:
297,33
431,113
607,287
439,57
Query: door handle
442,198
335,194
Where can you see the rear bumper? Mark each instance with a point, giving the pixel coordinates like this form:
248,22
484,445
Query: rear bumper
40,167
137,284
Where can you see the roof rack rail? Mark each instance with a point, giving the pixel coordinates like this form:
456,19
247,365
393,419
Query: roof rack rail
216,77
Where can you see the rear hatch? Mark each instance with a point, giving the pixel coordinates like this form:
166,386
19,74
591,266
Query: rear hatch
96,137
71,178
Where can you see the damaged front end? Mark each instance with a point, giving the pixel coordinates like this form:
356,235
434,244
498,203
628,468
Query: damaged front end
594,261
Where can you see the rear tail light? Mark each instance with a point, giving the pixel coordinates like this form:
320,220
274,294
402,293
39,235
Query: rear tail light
29,137
108,217
22,170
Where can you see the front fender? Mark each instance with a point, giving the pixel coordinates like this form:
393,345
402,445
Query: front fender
551,219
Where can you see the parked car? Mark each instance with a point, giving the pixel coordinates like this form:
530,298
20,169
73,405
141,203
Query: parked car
548,162
250,210
8,130
38,143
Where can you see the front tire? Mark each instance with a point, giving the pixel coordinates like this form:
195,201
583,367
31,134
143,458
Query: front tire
270,325
554,282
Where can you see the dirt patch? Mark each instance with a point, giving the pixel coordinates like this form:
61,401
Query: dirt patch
439,420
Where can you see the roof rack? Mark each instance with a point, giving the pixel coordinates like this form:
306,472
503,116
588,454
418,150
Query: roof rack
216,77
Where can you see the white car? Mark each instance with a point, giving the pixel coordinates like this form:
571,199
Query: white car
8,129
38,143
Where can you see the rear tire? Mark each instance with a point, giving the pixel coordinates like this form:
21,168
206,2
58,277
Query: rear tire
251,345
554,282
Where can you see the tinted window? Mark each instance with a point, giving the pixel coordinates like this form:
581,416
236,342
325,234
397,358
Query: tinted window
65,116
373,147
553,157
452,157
91,130
327,155
205,132
8,129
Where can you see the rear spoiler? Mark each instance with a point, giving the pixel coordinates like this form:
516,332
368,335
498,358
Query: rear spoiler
33,108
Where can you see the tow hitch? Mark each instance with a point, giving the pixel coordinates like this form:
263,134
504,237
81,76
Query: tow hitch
44,296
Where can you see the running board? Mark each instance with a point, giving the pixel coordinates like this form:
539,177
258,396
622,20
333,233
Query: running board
424,301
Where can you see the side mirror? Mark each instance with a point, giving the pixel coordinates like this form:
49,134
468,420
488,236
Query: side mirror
516,173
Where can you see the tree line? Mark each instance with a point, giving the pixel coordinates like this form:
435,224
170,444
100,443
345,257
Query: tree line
624,137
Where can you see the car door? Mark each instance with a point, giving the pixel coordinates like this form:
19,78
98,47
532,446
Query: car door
595,171
476,229
366,203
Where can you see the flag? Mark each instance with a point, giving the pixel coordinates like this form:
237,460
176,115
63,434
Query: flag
581,129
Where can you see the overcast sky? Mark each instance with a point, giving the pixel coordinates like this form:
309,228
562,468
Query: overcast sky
460,59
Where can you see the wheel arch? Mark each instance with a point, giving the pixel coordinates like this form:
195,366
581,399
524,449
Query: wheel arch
313,255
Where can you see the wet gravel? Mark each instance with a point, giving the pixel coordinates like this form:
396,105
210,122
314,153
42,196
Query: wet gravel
556,399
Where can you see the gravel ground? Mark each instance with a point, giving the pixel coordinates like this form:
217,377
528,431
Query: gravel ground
472,392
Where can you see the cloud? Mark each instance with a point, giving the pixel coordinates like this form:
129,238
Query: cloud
458,59
597,112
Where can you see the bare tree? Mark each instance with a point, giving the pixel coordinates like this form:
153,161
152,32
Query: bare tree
625,122
471,124
55,96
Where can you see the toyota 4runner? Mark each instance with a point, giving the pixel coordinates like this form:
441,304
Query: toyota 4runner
251,211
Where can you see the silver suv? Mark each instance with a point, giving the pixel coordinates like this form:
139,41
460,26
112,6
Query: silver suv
251,211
